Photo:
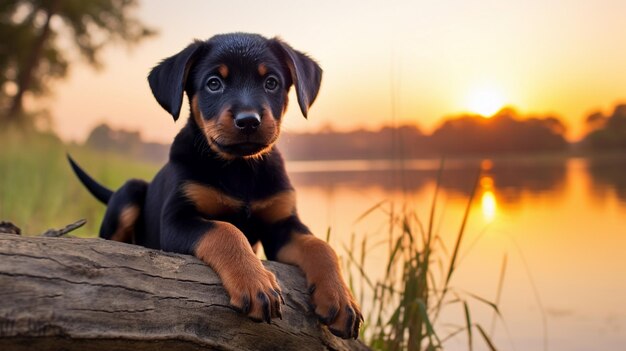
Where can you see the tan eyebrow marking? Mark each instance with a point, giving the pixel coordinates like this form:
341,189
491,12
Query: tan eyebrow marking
223,69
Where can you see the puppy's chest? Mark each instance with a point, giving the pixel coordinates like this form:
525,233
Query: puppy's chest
215,204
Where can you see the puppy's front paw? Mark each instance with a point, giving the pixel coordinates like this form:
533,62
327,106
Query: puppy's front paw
335,306
255,293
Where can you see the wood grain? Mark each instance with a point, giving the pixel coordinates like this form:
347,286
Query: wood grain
93,294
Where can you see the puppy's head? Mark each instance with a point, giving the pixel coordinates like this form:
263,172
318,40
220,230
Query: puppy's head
237,85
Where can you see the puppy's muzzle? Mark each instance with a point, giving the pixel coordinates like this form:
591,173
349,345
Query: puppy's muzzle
247,121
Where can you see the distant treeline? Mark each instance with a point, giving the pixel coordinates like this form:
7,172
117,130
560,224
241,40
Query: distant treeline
104,138
504,133
463,135
607,132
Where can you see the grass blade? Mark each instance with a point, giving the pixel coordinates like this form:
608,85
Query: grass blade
430,331
498,294
544,317
486,338
431,219
370,210
468,321
493,305
457,245
392,257
459,238
358,266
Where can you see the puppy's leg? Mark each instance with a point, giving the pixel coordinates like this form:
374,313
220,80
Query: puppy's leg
253,290
331,297
123,210
290,241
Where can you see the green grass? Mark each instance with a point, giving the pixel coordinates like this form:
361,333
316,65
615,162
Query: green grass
405,304
38,190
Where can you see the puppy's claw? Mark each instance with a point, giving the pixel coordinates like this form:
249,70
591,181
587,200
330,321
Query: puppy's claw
245,308
336,308
282,299
265,307
350,321
357,325
276,310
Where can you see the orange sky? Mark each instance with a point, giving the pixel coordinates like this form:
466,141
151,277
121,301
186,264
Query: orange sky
561,57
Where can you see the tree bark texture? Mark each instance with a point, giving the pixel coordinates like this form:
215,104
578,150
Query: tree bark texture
93,294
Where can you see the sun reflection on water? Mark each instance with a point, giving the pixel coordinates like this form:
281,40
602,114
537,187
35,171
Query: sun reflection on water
489,204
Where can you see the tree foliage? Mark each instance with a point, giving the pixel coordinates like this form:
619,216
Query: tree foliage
126,142
505,132
35,35
607,132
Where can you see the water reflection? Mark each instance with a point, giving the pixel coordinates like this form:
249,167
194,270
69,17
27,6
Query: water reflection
608,175
489,206
566,216
509,178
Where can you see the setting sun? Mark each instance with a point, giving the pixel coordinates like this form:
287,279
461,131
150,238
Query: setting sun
485,102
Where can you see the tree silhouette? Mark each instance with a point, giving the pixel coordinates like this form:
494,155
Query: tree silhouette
609,132
595,121
503,133
31,54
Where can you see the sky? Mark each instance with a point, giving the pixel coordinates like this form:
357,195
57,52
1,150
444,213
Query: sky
385,62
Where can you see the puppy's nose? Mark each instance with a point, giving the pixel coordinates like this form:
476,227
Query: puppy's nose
247,121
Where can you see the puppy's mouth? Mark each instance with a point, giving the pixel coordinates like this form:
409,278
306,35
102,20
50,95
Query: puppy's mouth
242,149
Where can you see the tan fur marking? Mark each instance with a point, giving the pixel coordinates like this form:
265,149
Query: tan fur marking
226,249
222,129
210,128
210,201
223,69
126,224
275,208
269,130
225,246
314,256
262,69
195,110
321,268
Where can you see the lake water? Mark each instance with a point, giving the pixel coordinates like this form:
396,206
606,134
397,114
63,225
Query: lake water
561,223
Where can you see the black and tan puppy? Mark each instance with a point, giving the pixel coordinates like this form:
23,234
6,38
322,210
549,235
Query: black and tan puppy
225,188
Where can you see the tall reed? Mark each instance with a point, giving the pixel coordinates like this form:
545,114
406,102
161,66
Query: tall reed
405,304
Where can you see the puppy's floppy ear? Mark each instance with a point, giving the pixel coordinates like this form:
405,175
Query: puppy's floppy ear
167,80
306,74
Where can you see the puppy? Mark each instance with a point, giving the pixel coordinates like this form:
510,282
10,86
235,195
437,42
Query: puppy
225,189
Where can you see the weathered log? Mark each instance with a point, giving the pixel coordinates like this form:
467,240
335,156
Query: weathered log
92,294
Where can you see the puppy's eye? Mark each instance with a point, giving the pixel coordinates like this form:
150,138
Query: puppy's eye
271,83
214,84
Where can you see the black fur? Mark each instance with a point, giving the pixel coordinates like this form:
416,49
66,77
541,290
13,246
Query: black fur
211,150
98,191
168,220
167,80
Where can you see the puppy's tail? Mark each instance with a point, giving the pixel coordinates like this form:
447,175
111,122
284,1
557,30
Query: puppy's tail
96,189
